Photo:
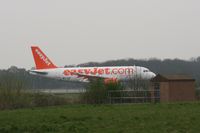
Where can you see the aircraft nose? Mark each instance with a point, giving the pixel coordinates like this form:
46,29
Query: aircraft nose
153,75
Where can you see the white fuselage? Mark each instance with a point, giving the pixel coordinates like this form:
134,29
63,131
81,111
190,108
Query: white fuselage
82,73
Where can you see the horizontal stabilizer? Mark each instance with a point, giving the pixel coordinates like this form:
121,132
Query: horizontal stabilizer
38,72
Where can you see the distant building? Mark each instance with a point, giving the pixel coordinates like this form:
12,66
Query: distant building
173,88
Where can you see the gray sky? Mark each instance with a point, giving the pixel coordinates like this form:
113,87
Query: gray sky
78,31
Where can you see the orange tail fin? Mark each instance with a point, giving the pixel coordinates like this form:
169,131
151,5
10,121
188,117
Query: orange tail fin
41,60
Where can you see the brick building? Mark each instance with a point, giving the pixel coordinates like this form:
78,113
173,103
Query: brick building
173,88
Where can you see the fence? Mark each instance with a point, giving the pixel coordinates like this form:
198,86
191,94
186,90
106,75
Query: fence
133,96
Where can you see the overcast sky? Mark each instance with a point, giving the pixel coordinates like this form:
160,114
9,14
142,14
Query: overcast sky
78,31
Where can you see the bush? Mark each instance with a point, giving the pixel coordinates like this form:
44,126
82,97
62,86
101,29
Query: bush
11,92
11,99
13,95
197,93
40,99
97,92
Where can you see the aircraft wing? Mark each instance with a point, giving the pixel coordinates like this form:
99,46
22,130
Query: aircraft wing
90,76
94,77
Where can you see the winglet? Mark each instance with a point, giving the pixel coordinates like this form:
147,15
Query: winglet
41,60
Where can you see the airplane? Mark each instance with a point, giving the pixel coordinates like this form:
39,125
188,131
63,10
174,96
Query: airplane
46,68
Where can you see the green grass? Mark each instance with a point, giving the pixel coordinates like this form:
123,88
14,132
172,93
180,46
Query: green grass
132,118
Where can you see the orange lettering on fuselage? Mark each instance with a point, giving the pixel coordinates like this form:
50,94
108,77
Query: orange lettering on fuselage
100,71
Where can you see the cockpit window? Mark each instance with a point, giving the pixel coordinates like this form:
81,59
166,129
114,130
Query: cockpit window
145,70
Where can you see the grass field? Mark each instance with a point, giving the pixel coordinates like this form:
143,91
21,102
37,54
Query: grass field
132,118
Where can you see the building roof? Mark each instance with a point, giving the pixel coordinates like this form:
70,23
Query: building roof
166,78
